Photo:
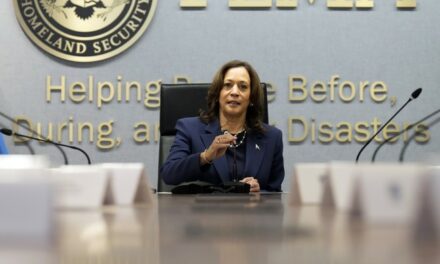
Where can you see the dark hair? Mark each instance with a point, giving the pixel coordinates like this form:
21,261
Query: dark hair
254,112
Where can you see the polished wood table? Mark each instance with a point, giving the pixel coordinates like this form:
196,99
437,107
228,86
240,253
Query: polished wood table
262,228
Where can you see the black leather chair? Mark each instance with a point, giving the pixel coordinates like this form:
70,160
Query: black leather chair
178,101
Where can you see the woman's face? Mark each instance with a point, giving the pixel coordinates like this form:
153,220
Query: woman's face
235,94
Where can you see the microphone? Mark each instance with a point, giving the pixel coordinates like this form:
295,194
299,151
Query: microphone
405,146
30,148
234,161
414,95
401,132
9,132
234,166
33,132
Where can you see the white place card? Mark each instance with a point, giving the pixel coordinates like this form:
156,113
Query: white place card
308,183
128,182
81,186
23,162
389,192
339,187
435,198
428,213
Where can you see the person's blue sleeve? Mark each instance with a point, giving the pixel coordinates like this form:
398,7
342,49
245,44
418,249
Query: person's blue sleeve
182,164
277,170
3,148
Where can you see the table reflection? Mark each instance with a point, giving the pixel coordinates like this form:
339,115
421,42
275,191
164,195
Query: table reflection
262,228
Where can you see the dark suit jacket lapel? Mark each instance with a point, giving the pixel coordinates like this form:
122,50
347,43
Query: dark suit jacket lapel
220,164
255,147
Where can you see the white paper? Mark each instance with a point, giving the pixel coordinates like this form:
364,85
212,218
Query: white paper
308,183
339,190
128,182
389,192
81,186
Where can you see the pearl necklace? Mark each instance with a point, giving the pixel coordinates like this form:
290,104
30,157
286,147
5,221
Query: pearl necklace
241,140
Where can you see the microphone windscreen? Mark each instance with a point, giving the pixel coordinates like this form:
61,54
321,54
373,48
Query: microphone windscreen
6,131
416,93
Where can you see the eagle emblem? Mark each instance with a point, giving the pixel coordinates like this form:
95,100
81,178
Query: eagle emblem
84,30
84,9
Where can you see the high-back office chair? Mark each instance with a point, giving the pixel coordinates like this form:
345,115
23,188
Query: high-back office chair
178,101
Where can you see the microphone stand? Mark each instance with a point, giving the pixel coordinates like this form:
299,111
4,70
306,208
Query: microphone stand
33,132
414,95
401,132
29,147
234,167
9,133
405,146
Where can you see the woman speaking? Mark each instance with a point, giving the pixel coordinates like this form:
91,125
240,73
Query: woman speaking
228,142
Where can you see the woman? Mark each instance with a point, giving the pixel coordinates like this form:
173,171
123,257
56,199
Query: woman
228,142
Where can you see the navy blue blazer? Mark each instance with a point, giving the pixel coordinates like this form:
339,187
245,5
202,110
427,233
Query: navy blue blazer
264,156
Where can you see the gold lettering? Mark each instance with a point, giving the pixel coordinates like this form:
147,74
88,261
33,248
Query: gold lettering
194,3
96,47
325,129
100,98
43,31
30,12
58,43
138,89
115,42
287,3
422,134
339,3
375,125
312,130
362,133
61,128
352,90
142,132
305,131
152,98
379,91
318,91
91,84
344,133
406,3
362,87
23,121
105,129
119,89
39,130
81,127
106,44
69,46
250,3
390,131
70,127
133,26
333,83
293,87
182,79
80,48
50,88
364,3
26,2
77,92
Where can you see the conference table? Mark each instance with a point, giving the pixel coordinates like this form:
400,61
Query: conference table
233,228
